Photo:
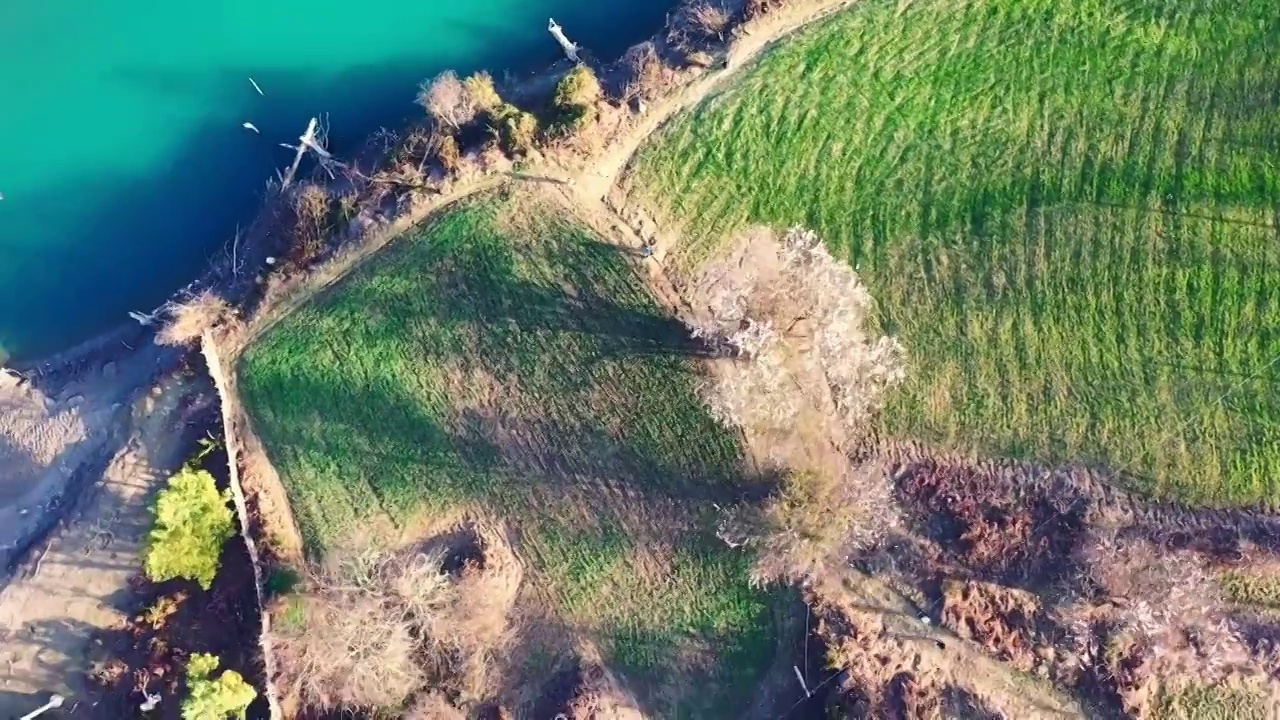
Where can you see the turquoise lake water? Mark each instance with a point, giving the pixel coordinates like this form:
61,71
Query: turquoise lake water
123,163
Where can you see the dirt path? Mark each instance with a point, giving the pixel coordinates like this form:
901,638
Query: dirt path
55,437
76,583
899,639
606,167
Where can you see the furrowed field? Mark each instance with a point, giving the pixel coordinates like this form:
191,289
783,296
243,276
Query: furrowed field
1066,210
506,363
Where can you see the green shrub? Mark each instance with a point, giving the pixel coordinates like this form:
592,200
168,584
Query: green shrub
579,86
281,581
291,615
516,129
192,521
208,699
575,100
485,96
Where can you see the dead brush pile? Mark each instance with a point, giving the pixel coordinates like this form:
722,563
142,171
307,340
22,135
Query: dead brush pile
190,318
377,628
1031,566
802,379
997,531
879,676
794,316
1008,623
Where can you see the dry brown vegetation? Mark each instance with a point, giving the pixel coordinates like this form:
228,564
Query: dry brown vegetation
449,101
711,19
312,223
189,319
1061,576
645,71
374,628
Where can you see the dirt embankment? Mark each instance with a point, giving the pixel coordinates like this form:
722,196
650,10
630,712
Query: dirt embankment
74,586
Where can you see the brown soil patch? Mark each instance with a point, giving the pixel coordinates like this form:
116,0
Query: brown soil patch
1061,575
77,584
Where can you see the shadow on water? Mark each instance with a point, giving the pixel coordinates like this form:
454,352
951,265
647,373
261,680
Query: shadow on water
118,240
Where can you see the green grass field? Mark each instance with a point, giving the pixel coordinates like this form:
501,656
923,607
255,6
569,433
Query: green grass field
1212,703
1066,209
504,361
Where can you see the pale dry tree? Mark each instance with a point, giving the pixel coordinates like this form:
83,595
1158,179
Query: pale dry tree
359,644
380,626
756,392
745,304
859,369
355,649
1170,601
817,519
448,100
708,18
190,318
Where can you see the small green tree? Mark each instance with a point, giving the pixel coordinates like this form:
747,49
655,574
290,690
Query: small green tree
209,699
579,86
575,100
483,94
516,128
192,521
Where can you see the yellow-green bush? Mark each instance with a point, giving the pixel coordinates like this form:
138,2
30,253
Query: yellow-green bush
192,521
209,699
575,100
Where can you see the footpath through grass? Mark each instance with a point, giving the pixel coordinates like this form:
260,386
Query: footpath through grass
504,361
1066,209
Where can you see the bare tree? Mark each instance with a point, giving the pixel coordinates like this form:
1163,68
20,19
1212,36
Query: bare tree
189,318
645,71
447,100
796,314
377,627
709,19
819,518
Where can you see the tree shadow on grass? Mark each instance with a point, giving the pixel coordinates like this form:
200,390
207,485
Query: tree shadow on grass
546,476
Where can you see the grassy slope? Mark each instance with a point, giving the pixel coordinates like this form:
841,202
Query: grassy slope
1066,209
528,375
1212,703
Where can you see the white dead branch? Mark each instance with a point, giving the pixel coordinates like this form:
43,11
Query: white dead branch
54,703
314,140
570,48
255,87
146,319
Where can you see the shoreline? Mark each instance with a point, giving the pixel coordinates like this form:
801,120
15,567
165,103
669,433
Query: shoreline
126,337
